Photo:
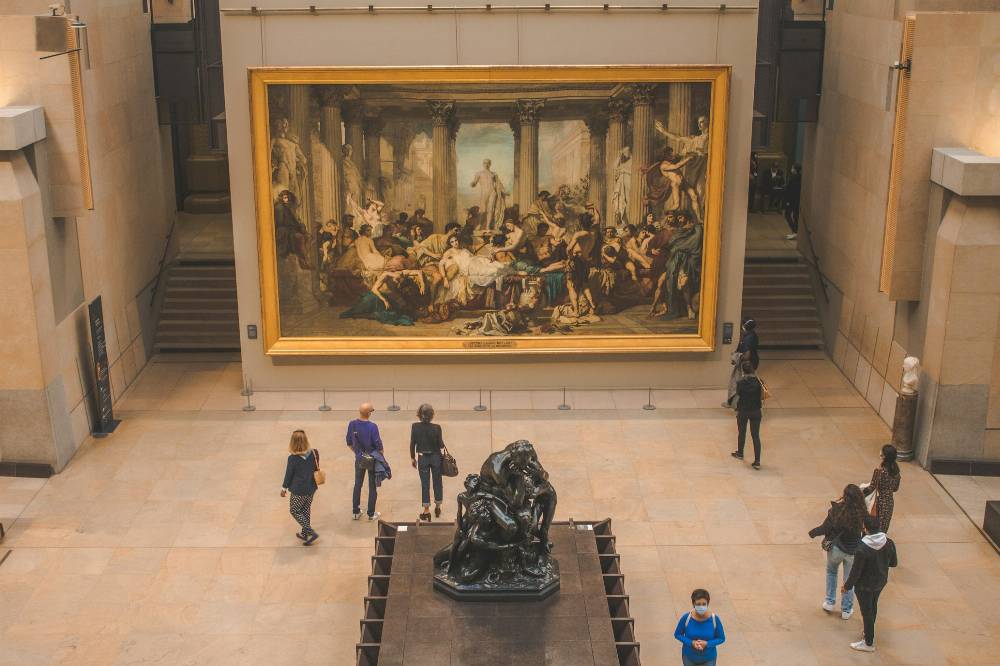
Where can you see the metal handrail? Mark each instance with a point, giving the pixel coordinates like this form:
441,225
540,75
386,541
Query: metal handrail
814,260
163,260
719,7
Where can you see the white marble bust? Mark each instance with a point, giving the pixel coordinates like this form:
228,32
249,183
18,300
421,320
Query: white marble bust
911,376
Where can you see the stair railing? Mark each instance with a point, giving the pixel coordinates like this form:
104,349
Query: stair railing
163,261
813,260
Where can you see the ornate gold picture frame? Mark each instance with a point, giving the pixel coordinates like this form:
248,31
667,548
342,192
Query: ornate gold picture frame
489,210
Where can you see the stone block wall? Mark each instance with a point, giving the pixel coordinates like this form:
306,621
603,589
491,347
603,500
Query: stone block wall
45,397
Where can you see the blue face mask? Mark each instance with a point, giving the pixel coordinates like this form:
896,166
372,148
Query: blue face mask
701,609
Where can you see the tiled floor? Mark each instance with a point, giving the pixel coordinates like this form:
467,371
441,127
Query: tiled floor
167,543
972,493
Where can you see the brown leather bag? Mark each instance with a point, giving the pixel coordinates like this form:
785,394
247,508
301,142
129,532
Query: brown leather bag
319,476
449,466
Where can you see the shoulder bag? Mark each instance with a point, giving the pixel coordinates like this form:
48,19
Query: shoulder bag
366,460
319,476
449,466
765,394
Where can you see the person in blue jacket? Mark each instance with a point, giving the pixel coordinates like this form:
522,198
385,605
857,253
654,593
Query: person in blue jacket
700,632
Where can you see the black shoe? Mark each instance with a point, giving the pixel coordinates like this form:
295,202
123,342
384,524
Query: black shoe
737,455
300,535
425,516
310,539
437,510
756,465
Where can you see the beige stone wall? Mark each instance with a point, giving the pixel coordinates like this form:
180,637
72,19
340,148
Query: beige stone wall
121,239
484,39
954,90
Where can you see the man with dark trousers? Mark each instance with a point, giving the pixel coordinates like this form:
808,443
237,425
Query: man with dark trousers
869,575
363,438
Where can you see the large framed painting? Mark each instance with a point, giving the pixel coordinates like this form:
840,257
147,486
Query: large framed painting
489,210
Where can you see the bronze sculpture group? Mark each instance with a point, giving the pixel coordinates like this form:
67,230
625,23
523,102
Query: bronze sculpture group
501,547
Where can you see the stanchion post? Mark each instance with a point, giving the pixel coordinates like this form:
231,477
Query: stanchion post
249,406
324,407
247,387
480,407
649,406
393,407
564,406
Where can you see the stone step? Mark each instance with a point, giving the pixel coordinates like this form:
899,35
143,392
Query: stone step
194,281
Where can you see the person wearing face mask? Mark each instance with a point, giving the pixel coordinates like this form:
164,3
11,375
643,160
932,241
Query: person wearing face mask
700,632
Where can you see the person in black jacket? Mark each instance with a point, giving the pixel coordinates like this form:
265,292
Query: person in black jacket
842,531
426,439
869,575
300,482
749,396
748,342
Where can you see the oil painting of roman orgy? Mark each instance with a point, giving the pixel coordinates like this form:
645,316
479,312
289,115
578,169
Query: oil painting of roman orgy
443,210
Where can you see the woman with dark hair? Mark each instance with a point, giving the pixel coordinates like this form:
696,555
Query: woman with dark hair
885,482
748,343
426,439
700,632
842,531
749,401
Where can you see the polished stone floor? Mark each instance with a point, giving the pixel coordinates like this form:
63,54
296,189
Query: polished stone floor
167,543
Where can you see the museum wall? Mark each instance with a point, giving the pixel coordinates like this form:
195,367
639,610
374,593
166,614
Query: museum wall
563,38
111,251
846,182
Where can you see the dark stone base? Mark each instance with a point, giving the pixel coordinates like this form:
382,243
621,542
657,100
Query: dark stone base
29,470
991,521
519,589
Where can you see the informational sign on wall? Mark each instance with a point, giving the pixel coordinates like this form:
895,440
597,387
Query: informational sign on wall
105,422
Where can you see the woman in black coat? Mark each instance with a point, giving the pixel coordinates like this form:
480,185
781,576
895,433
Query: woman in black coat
426,439
300,481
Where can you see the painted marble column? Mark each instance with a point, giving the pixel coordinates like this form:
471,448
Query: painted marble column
354,133
373,126
617,114
528,111
597,126
453,212
331,130
642,139
515,127
441,115
299,113
679,110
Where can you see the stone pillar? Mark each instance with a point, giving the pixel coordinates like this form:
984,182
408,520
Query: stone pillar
597,125
528,111
373,126
453,212
354,134
331,131
642,139
441,115
401,137
617,110
515,127
300,127
679,110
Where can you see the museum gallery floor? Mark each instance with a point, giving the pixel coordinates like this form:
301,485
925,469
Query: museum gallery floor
168,543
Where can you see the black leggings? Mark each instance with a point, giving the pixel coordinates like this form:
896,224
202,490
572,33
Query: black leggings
868,603
753,418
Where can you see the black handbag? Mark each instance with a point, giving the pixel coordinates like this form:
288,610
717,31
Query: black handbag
366,460
449,466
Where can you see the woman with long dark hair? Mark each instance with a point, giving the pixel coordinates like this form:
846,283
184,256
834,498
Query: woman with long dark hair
885,482
842,531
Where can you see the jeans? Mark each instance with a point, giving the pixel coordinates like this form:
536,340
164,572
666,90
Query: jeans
742,418
868,603
834,558
686,661
359,478
429,465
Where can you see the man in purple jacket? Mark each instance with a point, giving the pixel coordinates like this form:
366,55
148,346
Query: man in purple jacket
363,438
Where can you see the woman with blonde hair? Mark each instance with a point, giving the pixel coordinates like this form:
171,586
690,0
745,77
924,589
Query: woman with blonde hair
300,481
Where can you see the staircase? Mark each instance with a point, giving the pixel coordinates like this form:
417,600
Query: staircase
199,307
778,293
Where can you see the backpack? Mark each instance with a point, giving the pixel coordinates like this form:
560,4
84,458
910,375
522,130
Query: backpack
715,626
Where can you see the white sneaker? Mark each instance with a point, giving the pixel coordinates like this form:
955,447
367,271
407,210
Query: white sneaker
355,516
827,606
861,646
375,516
846,615
791,236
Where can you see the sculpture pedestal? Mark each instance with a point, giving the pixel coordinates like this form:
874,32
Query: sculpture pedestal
516,588
902,425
